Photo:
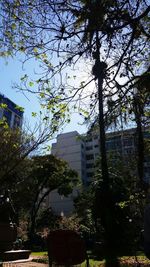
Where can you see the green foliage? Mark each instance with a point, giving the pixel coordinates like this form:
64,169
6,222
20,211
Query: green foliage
19,108
31,84
71,223
83,207
13,144
62,43
46,219
2,105
42,174
126,202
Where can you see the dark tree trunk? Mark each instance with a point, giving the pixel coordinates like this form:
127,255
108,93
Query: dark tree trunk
140,141
102,135
31,232
103,195
32,224
99,72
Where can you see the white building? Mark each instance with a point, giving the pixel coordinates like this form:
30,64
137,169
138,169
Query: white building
61,205
71,148
81,153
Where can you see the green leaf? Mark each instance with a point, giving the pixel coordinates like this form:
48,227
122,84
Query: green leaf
2,105
6,126
31,84
19,108
34,114
42,95
13,26
35,50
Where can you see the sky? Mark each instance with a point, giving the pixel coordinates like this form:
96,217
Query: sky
10,72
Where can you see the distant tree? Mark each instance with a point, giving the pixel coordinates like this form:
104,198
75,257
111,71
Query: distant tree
46,220
42,175
83,207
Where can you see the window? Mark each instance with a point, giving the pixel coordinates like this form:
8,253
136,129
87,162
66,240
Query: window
16,122
96,146
90,156
127,142
128,151
89,147
8,115
89,165
1,113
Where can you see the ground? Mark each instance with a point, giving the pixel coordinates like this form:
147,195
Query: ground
126,262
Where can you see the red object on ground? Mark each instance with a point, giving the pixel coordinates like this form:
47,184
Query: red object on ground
65,247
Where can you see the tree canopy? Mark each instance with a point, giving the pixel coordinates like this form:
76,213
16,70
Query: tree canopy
42,175
16,146
30,177
62,34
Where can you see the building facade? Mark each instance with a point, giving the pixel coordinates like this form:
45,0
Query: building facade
81,153
119,143
71,148
10,112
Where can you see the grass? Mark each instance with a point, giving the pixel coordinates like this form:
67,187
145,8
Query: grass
39,254
126,261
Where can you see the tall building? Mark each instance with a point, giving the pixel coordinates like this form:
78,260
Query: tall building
81,152
10,112
122,143
71,148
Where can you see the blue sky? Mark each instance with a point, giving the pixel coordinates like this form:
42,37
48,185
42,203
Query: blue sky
11,71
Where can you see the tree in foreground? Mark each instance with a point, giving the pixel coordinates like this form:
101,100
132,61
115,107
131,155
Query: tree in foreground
109,36
127,208
29,178
16,146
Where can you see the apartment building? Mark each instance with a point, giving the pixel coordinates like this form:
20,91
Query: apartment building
10,112
122,143
71,148
81,153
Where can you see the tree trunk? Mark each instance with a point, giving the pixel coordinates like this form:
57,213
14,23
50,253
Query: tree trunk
31,232
140,142
103,194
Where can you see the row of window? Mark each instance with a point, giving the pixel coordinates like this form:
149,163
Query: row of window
114,144
90,147
12,119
